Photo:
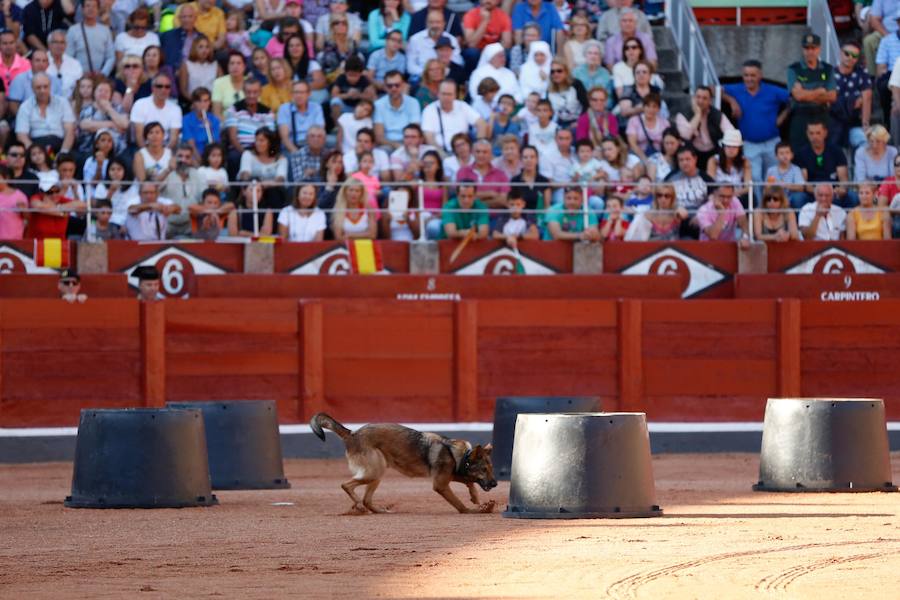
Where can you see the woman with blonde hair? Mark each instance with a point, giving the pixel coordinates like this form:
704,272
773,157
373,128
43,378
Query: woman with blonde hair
200,69
775,221
874,160
662,221
353,218
566,94
868,221
432,77
579,35
278,90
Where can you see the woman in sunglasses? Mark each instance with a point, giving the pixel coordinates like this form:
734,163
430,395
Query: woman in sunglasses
662,221
775,222
623,71
566,94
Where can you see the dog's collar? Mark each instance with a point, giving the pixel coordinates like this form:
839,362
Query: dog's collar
462,468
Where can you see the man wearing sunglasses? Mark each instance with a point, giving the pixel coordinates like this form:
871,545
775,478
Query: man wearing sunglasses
157,107
394,111
69,286
851,113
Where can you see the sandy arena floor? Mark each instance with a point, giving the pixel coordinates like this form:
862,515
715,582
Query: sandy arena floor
717,539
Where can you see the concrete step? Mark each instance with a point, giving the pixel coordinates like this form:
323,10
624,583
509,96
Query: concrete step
678,102
663,38
667,59
676,81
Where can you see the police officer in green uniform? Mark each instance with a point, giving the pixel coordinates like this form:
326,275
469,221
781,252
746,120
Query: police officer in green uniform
813,89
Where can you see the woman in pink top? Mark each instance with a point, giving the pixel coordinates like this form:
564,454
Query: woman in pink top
12,225
433,196
370,180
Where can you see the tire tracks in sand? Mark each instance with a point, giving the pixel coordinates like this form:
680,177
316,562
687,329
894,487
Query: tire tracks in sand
628,587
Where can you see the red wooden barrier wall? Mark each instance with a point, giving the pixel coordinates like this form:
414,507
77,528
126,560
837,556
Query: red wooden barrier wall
387,360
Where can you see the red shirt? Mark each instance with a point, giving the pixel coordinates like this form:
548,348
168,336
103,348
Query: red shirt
42,226
499,23
888,189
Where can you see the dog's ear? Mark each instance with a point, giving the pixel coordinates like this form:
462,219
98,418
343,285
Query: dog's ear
488,448
476,453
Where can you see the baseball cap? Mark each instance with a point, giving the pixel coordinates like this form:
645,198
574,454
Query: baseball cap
811,39
443,42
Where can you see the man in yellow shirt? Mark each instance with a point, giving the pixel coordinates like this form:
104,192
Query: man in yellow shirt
210,21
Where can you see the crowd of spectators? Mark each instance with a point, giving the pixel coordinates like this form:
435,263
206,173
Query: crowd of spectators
512,119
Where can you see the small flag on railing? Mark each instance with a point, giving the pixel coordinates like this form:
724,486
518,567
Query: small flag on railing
267,239
365,257
52,253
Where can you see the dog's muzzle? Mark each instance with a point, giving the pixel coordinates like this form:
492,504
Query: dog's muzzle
488,485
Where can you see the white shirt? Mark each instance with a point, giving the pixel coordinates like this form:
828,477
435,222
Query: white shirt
301,228
445,125
382,162
830,226
420,49
556,167
400,158
543,138
129,45
350,126
148,224
145,111
71,71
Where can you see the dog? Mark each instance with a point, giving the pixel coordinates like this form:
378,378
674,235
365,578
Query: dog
374,448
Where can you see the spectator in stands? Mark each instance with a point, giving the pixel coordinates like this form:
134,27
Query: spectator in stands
12,200
502,124
229,89
338,47
452,21
492,63
327,32
302,221
250,219
632,101
69,187
690,185
618,164
429,86
353,218
730,165
264,162
199,69
894,89
662,222
295,119
434,196
389,16
21,88
775,221
153,162
510,159
183,186
25,181
788,175
519,53
867,221
200,127
591,73
176,43
210,21
119,191
529,185
465,213
46,119
821,219
91,42
706,125
207,217
515,225
557,165
424,45
596,122
394,111
645,131
759,109
890,186
95,166
129,80
534,75
305,68
11,18
61,66
579,36
452,70
570,220
154,63
881,21
11,63
614,224
628,22
157,109
722,217
212,168
306,163
385,61
623,70
461,157
138,37
662,163
545,15
350,87
484,25
820,161
365,142
244,119
406,160
332,175
813,89
874,160
608,25
39,163
493,184
148,214
566,94
852,111
448,116
40,17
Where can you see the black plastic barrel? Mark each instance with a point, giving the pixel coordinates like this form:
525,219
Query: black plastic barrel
507,409
825,445
243,443
582,466
140,458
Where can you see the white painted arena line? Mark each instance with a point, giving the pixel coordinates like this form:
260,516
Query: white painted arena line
654,427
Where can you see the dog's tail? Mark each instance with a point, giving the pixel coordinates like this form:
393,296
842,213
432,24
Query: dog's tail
321,421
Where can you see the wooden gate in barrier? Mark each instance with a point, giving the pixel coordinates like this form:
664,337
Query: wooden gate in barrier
388,360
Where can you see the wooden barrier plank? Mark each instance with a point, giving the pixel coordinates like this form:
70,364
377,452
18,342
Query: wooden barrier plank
630,363
468,317
98,313
72,339
376,377
312,363
230,387
244,363
19,386
406,410
233,316
708,311
593,380
705,408
788,318
399,336
107,285
216,343
548,313
153,353
710,340
859,363
721,377
850,314
599,342
863,337
56,412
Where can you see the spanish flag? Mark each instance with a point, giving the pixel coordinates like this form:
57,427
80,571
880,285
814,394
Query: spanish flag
365,257
51,252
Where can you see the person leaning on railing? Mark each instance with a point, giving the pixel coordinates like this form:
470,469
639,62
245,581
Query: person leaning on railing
465,214
775,221
662,222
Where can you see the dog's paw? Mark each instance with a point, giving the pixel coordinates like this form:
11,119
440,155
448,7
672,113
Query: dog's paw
381,510
487,507
357,510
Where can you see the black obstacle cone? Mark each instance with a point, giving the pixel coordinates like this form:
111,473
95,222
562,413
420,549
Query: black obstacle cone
507,409
140,458
824,445
243,443
582,466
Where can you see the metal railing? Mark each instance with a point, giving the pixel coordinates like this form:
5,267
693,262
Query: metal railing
818,18
692,49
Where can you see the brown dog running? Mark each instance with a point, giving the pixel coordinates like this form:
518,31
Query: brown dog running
374,448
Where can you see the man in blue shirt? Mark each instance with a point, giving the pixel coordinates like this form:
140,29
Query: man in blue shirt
296,117
881,19
758,109
545,15
394,111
